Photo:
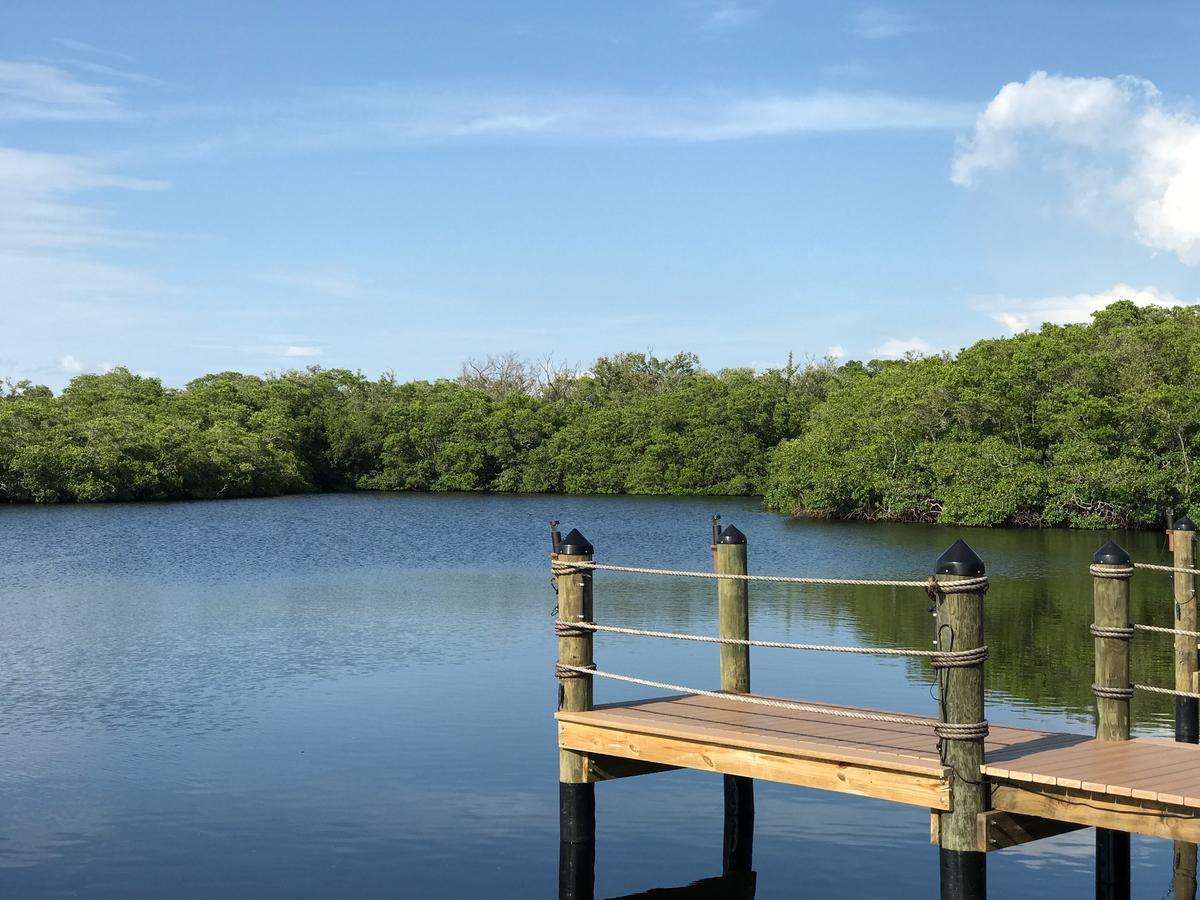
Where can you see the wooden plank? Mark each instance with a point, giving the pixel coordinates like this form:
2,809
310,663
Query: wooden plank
1098,810
664,726
606,768
996,829
863,778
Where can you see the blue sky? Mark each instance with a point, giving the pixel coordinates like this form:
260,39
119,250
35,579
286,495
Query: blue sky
397,187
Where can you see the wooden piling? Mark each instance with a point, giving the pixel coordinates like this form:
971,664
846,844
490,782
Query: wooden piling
960,627
1111,573
733,613
1187,726
577,795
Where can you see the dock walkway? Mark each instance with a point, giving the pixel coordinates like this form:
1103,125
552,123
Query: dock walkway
1144,785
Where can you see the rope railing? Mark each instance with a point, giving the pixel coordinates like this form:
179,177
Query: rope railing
945,730
939,659
1156,568
931,584
1161,690
1138,626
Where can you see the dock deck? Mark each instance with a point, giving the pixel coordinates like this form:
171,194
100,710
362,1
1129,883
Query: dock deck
1144,785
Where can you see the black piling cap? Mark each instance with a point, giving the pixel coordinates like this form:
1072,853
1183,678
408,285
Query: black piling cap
574,543
731,536
959,559
1183,524
1111,554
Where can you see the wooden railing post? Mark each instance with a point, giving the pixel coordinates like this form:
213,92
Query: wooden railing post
576,792
733,613
1111,573
960,627
1187,726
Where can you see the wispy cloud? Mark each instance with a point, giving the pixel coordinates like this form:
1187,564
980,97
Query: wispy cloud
895,348
81,47
877,23
723,15
1119,150
328,282
1018,315
104,71
387,116
298,351
38,91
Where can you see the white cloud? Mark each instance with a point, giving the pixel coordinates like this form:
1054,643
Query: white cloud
69,363
1018,315
296,351
37,91
894,348
837,351
1114,143
877,23
329,282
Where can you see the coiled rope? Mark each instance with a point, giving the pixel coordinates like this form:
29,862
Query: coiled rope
1119,632
1100,570
939,659
945,730
975,584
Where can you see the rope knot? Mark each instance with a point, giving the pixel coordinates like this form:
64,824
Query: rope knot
959,659
562,671
1117,632
955,731
936,589
1112,693
571,629
1105,571
557,567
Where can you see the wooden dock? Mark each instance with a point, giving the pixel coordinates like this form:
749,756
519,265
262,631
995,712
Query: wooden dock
987,786
1145,785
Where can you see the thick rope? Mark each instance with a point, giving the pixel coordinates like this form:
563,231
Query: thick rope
563,671
952,730
1106,571
1112,693
940,659
1167,568
977,584
1162,630
1152,689
1158,690
1120,632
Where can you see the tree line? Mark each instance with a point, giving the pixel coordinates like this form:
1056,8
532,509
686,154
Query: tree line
1088,425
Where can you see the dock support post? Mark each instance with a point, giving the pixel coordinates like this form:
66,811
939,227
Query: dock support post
960,627
1187,723
576,794
1111,572
733,612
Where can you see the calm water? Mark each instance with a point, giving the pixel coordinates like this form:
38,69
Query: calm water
352,695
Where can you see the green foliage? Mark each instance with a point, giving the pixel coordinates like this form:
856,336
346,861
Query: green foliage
1081,425
1088,426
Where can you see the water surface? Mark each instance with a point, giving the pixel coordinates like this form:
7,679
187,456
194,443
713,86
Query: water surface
352,695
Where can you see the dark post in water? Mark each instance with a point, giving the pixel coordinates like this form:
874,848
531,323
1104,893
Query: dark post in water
1111,572
1187,728
960,627
576,793
733,612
